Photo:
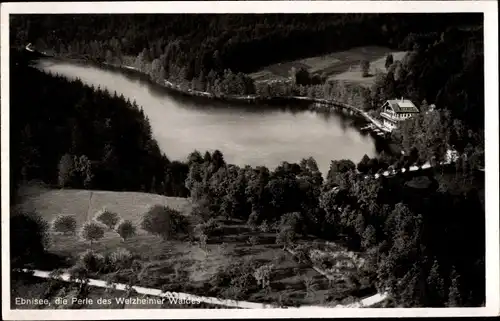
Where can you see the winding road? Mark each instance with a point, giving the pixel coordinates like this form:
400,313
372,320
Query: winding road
210,300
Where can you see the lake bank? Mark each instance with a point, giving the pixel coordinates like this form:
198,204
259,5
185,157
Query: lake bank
316,104
246,133
300,102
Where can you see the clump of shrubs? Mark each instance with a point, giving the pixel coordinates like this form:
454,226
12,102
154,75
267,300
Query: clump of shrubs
302,254
65,224
108,218
253,220
126,229
92,261
164,222
264,227
120,259
289,228
263,275
207,229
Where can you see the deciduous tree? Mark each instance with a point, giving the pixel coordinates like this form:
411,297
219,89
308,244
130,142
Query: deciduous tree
164,222
92,232
126,229
64,224
108,218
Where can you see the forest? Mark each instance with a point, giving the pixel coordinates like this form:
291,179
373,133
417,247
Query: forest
238,42
72,135
412,225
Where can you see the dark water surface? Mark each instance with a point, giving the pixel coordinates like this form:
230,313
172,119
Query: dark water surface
246,134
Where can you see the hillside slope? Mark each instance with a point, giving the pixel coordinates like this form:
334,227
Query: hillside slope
85,203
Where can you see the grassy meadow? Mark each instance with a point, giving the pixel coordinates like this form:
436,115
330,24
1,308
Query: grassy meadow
342,65
83,204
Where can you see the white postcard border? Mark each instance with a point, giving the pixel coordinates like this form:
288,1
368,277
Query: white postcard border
488,7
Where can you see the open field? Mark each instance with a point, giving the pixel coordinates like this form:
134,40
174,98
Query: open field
353,74
184,265
84,204
343,65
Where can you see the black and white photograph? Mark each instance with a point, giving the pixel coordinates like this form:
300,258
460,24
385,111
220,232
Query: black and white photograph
220,156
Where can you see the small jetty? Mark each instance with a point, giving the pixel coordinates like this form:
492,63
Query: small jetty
375,129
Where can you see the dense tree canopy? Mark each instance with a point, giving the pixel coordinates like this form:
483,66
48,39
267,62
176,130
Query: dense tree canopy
413,224
240,42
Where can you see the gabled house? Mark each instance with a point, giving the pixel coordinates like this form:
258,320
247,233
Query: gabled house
397,110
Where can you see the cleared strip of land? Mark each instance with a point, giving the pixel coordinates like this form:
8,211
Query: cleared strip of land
209,300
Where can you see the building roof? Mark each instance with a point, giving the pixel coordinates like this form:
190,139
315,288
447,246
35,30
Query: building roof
402,106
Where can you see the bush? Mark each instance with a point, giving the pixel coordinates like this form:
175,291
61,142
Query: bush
126,229
237,276
92,231
203,242
253,220
108,218
164,222
208,228
309,284
65,224
80,277
263,275
292,220
365,68
253,240
211,226
264,227
29,238
290,226
302,256
286,236
92,261
120,259
199,230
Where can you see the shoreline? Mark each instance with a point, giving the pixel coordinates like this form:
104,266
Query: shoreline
317,104
313,104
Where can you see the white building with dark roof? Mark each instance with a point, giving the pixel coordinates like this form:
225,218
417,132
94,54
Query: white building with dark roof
397,110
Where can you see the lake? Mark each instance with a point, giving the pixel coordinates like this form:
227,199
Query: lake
246,134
